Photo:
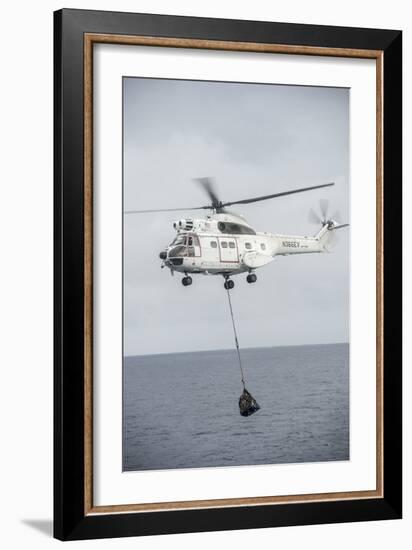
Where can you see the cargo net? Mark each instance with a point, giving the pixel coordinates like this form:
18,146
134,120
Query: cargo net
247,403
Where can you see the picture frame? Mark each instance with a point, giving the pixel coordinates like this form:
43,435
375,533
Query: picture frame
76,32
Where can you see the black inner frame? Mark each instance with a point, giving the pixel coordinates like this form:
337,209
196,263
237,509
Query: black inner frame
70,522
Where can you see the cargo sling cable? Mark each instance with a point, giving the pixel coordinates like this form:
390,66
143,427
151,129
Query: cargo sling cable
247,403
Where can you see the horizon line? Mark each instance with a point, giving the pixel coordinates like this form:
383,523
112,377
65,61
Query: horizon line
234,349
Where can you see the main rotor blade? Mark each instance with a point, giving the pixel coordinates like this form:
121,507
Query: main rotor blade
274,195
209,188
167,210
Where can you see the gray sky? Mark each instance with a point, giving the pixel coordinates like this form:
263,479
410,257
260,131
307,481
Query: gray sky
254,139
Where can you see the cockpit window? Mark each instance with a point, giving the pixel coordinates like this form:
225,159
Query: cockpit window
178,251
180,239
235,228
185,246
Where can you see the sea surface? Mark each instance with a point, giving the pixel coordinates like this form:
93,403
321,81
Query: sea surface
181,410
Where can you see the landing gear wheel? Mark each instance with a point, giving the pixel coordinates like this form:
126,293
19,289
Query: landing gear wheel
251,278
229,284
187,281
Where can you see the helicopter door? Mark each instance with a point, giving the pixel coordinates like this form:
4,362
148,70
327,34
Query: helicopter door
193,246
228,250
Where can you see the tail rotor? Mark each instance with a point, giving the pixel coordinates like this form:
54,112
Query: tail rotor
322,216
332,222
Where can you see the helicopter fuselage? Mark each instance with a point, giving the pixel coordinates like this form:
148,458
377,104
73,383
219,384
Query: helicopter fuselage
225,244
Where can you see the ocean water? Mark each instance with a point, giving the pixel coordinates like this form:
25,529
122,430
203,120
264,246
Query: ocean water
181,410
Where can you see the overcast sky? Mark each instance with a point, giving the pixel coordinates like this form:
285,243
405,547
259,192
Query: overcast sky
254,139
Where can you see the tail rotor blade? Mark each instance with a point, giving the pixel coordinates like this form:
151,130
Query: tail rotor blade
313,217
324,207
337,217
331,242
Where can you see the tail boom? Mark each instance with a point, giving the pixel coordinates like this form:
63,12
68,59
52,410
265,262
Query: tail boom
298,244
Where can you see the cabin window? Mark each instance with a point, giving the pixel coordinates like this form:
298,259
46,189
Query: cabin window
232,244
190,241
248,246
263,246
213,244
223,244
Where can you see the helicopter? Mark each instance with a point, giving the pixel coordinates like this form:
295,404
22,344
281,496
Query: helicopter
224,243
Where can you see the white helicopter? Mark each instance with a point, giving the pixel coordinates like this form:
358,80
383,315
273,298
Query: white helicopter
224,243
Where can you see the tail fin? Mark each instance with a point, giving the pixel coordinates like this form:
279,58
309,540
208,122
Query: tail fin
326,233
322,236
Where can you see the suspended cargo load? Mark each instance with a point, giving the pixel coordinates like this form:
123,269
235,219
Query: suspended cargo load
247,404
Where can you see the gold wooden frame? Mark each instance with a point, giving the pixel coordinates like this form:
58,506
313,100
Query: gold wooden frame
89,40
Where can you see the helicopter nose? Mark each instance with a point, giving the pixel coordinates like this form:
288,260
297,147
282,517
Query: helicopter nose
163,255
